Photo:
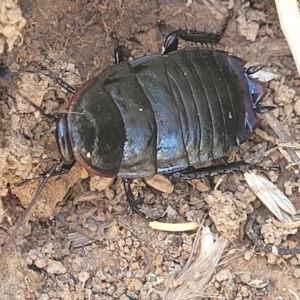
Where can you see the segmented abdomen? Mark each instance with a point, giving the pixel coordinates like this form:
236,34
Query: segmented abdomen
178,110
196,106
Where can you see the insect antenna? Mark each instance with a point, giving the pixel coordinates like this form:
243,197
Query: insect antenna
50,173
59,167
5,83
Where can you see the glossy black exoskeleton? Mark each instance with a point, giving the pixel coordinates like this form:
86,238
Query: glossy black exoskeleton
160,113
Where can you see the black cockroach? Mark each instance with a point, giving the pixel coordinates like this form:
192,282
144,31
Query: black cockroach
160,113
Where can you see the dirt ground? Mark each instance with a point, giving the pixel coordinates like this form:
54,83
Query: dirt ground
82,242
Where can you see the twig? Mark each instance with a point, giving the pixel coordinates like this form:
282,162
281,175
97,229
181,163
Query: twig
289,18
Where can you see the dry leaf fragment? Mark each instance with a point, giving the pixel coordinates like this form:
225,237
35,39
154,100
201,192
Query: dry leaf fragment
271,196
100,183
197,274
161,183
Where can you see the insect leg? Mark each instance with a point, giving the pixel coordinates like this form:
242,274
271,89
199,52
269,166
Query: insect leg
237,166
202,37
264,108
58,80
121,52
133,203
51,172
60,169
213,170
